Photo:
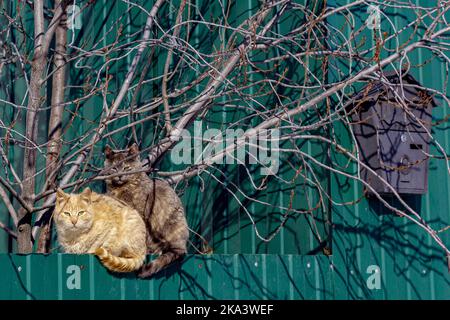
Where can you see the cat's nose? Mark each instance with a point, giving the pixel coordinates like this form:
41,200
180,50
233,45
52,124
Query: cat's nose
74,221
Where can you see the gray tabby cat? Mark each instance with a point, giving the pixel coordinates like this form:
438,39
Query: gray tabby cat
155,200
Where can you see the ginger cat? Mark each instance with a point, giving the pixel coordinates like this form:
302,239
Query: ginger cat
94,223
157,203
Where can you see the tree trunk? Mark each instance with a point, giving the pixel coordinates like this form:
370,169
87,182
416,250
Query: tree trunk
55,122
24,240
29,164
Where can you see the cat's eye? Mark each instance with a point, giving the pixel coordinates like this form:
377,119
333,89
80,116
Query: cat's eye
67,213
127,168
81,212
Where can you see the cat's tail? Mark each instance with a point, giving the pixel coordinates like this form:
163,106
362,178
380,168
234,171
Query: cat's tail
160,263
119,264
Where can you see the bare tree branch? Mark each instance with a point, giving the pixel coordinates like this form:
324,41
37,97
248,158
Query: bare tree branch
8,230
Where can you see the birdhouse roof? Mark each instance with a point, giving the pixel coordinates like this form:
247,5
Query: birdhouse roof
376,88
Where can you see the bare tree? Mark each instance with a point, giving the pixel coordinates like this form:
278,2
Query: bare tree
297,77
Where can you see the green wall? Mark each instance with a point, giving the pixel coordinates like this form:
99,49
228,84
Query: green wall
365,234
411,264
257,276
214,213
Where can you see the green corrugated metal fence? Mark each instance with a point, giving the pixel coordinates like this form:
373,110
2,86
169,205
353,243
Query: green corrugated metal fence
364,234
246,276
242,267
214,213
257,276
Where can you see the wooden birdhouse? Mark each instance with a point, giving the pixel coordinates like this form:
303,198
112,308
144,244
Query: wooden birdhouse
391,121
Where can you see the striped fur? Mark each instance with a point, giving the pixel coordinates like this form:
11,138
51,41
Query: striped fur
119,264
99,224
157,203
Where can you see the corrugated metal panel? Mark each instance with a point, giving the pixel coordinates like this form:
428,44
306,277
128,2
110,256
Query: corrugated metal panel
363,235
258,276
4,78
213,213
247,276
411,265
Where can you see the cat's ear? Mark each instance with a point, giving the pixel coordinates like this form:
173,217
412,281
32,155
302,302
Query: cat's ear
133,150
86,195
108,152
60,194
